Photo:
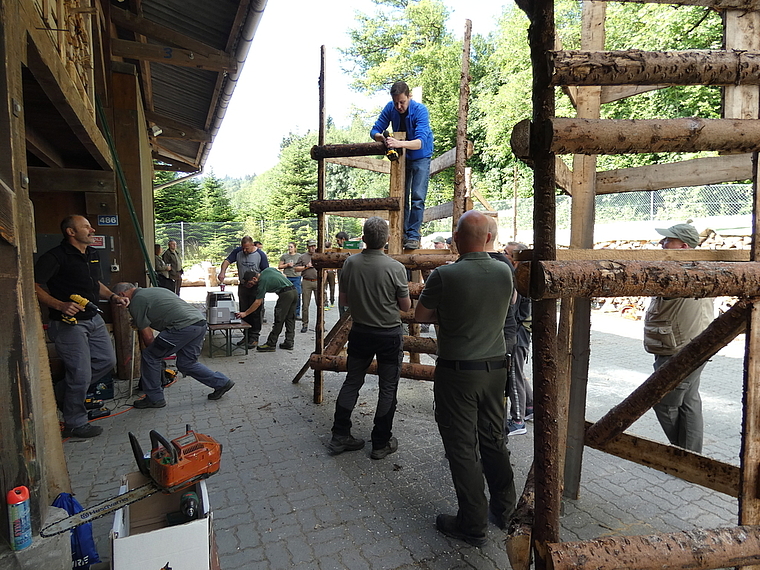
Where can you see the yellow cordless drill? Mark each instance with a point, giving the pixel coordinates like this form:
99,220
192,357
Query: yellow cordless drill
391,153
82,302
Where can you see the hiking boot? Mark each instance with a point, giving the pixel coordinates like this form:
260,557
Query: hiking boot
219,392
266,348
390,447
284,346
412,244
305,328
144,403
253,344
86,430
447,524
340,443
241,342
516,427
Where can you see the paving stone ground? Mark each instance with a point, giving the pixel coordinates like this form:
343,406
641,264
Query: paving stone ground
280,501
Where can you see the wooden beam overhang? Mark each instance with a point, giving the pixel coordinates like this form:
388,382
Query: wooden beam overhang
557,279
70,180
42,149
172,164
172,56
48,69
174,129
627,67
140,25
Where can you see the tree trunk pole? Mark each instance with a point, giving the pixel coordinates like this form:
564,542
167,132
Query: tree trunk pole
460,186
319,342
546,449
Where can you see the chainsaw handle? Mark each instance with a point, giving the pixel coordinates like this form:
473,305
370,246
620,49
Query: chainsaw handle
142,463
156,438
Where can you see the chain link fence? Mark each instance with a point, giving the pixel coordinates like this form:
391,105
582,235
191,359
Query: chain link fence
213,241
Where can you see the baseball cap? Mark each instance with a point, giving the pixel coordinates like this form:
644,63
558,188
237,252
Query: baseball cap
311,242
438,239
685,232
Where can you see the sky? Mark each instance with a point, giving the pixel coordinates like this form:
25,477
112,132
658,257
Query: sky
278,91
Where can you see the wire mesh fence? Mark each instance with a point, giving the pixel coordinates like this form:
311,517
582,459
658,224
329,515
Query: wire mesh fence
212,241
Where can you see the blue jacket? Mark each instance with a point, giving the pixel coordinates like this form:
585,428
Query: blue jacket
417,123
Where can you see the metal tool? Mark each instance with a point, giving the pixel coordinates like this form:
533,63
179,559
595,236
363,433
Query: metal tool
171,467
82,302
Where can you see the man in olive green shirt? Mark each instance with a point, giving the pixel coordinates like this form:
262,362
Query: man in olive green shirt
287,263
469,301
270,280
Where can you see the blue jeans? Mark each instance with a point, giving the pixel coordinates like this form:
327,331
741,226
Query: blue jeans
296,281
417,178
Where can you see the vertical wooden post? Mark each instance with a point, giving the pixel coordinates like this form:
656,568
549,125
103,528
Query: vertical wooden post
319,341
546,449
460,186
396,190
588,103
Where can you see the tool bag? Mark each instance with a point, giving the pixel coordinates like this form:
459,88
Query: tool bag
83,551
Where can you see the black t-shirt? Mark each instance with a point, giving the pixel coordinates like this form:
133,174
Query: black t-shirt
66,271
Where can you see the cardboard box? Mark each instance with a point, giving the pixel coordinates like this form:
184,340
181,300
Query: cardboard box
141,537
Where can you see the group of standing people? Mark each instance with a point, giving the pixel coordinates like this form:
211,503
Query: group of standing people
168,266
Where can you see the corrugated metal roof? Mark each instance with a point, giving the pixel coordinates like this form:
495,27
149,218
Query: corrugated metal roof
187,95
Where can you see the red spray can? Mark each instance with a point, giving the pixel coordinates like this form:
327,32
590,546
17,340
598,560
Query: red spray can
19,518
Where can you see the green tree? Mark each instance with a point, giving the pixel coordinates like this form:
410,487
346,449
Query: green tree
215,204
179,202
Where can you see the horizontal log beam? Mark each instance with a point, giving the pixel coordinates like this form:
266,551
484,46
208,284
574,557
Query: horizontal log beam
438,212
716,4
699,549
623,278
339,363
42,179
636,67
682,255
363,162
447,159
420,344
682,463
620,136
410,260
340,150
718,334
177,129
694,172
172,56
357,204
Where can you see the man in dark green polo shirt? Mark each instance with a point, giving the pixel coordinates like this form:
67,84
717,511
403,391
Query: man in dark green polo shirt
469,301
272,281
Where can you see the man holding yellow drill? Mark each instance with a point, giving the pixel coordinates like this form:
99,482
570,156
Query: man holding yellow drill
79,333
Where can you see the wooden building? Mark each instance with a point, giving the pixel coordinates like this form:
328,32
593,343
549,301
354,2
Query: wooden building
97,95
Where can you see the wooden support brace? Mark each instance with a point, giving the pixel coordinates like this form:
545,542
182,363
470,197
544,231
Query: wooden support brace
555,279
717,335
339,364
696,550
358,204
636,67
343,325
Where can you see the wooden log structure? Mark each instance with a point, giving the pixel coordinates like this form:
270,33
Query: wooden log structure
333,260
521,526
358,204
627,67
342,327
339,364
717,335
715,4
625,136
340,150
673,460
699,549
555,279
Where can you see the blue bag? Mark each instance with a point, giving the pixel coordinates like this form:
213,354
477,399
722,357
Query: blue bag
83,551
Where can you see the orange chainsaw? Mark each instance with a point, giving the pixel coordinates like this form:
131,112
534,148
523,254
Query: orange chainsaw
171,467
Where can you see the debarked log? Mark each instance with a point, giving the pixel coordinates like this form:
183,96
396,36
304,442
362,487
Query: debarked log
518,541
714,4
639,278
338,364
333,260
699,549
636,67
355,205
420,344
620,136
338,150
